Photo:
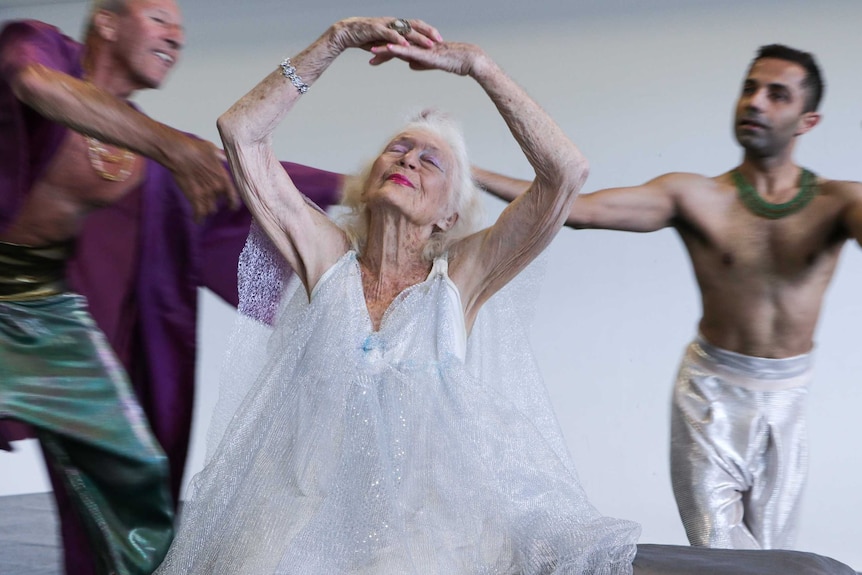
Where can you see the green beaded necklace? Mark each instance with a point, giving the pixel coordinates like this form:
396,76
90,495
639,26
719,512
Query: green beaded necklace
760,207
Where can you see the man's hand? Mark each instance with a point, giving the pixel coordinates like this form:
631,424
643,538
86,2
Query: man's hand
81,106
198,167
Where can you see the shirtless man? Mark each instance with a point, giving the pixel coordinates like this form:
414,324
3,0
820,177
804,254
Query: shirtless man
57,372
141,260
764,240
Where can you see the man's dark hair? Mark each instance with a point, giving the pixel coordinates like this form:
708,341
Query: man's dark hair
813,81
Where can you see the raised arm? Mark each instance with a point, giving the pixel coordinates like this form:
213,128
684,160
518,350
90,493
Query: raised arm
646,208
306,237
85,108
484,262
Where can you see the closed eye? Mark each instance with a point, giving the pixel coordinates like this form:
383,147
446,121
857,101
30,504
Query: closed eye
433,161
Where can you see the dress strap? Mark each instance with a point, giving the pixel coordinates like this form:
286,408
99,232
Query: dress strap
440,267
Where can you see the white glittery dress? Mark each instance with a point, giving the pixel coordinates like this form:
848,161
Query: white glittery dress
407,450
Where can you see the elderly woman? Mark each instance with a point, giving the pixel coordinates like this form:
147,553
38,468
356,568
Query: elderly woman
384,433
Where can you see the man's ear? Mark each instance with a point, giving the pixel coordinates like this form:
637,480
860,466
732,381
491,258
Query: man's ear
105,24
807,122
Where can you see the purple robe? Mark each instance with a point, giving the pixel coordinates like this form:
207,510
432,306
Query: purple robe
139,262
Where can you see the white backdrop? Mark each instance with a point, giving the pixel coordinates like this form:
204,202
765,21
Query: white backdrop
644,87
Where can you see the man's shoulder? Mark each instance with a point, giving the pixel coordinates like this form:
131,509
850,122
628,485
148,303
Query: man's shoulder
840,189
828,184
689,182
31,28
33,41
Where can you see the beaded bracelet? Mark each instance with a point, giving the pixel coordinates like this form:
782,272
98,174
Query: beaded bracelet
289,72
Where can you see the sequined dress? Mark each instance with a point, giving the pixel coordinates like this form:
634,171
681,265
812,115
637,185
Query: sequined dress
411,449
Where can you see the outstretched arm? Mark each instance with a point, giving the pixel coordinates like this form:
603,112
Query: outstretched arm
85,108
498,185
306,237
35,64
646,208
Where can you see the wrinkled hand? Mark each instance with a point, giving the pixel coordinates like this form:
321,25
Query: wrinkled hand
198,167
366,33
455,57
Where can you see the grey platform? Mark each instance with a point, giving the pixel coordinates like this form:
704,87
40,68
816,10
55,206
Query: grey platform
29,545
29,541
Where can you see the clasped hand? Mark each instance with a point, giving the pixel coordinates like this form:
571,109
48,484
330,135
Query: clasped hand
422,46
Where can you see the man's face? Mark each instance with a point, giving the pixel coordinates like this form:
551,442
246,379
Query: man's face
149,37
770,109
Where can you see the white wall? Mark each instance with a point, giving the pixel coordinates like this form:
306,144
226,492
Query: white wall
645,87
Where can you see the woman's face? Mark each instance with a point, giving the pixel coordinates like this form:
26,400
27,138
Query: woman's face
414,175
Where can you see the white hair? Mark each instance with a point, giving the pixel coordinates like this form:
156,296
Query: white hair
466,198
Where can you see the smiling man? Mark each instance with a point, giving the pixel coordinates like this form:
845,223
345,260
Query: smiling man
71,143
764,240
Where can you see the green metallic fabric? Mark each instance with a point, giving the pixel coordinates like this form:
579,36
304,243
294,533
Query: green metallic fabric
58,374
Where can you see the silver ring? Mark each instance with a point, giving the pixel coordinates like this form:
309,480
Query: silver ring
401,26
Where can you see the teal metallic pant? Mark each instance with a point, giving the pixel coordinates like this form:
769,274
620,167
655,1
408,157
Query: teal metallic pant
58,374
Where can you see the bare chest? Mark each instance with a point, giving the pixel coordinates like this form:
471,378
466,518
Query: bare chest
734,240
79,180
91,174
377,309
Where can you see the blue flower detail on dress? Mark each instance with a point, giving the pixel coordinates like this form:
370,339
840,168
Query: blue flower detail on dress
374,347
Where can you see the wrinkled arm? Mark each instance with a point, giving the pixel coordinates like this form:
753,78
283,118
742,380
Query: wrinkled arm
223,236
532,220
486,261
306,237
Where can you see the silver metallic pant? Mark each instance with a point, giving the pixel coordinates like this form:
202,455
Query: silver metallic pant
738,447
